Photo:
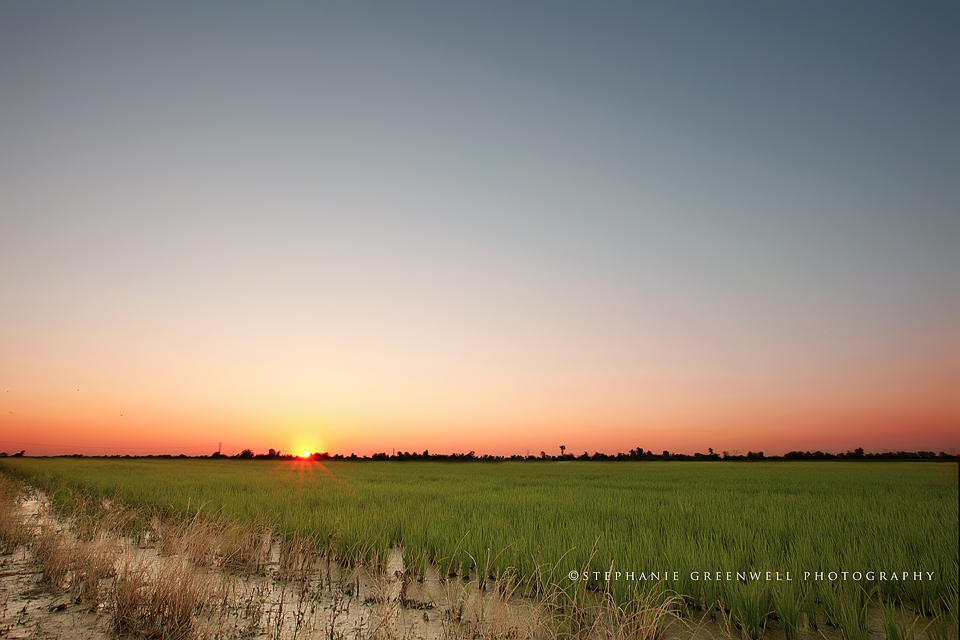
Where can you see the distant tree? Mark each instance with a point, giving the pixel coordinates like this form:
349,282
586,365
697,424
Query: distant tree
562,449
246,454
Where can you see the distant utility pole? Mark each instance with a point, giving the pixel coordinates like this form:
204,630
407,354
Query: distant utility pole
220,449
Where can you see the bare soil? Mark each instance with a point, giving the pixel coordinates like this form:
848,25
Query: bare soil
30,609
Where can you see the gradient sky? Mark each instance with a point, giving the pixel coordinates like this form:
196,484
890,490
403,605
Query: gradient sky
489,226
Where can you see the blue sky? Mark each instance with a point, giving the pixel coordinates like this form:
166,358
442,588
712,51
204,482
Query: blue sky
634,221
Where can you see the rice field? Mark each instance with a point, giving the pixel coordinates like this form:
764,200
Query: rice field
798,540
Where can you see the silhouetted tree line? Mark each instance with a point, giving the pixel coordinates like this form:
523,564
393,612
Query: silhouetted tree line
634,454
858,454
248,454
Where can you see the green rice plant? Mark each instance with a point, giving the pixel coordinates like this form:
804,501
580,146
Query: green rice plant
788,609
543,520
810,608
830,602
710,595
944,625
895,625
852,614
924,593
689,591
951,603
749,606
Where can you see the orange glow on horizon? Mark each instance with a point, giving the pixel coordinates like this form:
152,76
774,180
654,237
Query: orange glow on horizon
65,421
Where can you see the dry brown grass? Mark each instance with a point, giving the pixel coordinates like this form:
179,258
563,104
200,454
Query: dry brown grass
52,550
149,598
244,548
641,619
75,565
298,557
13,527
157,600
92,562
197,540
561,611
575,614
208,541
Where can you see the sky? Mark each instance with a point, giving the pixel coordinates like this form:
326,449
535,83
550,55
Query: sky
491,226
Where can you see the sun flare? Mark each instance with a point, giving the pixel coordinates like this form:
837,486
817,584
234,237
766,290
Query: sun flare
305,454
